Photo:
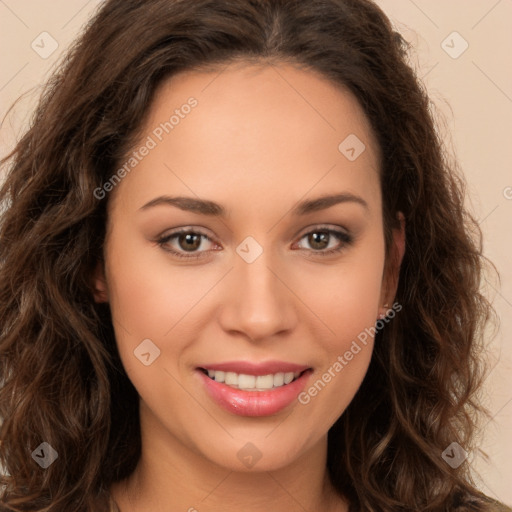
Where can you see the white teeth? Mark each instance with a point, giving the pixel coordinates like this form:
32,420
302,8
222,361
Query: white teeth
231,379
219,376
246,381
288,377
278,379
265,381
252,382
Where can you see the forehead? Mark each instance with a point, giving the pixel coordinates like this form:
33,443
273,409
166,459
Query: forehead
265,129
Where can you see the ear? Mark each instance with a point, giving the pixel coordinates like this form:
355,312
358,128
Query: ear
100,292
392,267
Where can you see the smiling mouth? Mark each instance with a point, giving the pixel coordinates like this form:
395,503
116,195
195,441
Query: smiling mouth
246,382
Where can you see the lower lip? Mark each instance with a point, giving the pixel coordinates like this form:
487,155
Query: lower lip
254,403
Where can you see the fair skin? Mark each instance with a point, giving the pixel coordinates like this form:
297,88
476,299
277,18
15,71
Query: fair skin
260,140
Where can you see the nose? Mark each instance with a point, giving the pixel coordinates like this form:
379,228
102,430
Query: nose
258,301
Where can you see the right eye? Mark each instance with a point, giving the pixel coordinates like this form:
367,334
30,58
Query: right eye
184,243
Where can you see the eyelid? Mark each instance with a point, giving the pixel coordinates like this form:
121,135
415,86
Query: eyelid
163,239
343,235
321,227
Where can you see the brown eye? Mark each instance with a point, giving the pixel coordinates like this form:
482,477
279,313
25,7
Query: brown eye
189,241
319,241
185,243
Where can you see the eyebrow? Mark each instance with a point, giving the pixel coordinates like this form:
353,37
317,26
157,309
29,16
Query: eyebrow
206,207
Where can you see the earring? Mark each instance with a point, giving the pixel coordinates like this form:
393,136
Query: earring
383,312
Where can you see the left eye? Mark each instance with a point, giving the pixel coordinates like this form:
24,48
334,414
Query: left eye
318,239
189,242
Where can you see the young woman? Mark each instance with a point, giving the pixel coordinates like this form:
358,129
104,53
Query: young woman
237,273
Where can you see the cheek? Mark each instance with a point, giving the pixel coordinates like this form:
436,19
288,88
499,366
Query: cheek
346,297
151,299
347,302
148,294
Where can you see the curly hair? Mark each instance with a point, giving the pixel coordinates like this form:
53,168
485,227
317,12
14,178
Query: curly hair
61,377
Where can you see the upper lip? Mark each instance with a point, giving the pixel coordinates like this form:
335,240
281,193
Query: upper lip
252,368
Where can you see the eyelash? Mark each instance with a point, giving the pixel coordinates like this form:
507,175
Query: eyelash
343,237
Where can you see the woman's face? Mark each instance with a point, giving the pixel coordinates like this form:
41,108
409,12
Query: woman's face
272,283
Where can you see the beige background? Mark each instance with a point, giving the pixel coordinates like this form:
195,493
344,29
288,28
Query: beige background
472,91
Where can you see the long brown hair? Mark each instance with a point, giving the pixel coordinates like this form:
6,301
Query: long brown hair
61,378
